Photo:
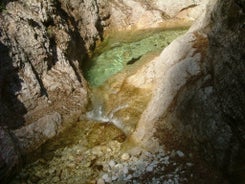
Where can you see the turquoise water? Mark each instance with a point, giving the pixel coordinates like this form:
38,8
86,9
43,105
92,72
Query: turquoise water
116,53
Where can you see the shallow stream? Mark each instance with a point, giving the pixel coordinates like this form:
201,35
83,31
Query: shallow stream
92,147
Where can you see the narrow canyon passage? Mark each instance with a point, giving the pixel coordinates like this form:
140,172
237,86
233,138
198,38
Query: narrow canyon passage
122,91
97,148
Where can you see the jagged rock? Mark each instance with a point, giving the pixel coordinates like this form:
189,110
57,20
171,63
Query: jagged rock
40,71
41,60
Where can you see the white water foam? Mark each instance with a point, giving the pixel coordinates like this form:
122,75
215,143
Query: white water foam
98,114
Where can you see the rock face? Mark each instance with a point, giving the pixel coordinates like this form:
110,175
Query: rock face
42,49
42,46
198,88
138,14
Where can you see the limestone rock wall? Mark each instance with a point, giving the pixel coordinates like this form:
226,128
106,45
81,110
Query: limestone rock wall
138,14
198,87
43,44
42,90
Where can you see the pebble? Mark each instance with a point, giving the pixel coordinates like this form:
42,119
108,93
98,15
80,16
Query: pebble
189,164
112,163
106,178
56,179
149,168
148,154
129,177
128,166
100,181
136,151
113,178
125,170
180,153
125,156
172,155
119,166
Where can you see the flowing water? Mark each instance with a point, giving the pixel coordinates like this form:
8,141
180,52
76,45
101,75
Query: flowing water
80,154
124,49
117,58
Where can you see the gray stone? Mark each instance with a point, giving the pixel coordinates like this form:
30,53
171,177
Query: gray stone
106,178
180,153
100,181
149,168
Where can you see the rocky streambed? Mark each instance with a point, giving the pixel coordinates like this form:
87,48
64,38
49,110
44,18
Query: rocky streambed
97,149
91,152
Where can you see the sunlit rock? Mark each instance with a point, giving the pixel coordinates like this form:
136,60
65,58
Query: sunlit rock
190,98
137,14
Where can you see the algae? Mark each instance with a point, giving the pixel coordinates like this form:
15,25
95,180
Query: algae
119,51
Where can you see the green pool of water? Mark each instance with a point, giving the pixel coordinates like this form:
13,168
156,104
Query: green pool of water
117,52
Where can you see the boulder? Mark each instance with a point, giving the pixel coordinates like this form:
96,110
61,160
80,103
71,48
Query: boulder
32,136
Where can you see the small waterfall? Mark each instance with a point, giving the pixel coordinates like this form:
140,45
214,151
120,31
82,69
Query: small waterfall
99,114
122,108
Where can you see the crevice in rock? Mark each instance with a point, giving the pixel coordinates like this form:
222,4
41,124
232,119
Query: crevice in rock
76,50
43,89
12,110
188,7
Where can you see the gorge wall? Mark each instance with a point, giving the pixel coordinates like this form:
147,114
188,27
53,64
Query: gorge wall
198,88
43,44
197,82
